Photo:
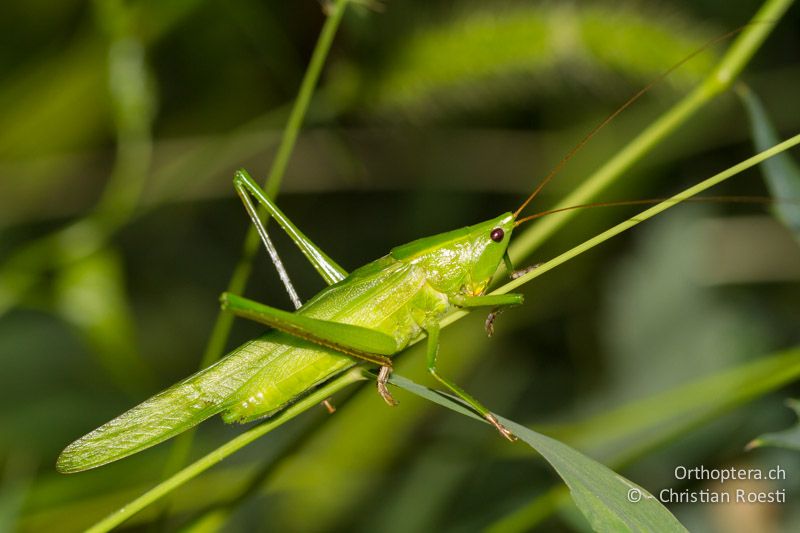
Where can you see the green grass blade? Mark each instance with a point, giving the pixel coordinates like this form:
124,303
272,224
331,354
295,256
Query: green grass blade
781,173
603,496
241,272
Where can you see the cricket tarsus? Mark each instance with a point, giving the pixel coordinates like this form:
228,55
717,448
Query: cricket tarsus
488,325
522,271
500,427
328,405
383,378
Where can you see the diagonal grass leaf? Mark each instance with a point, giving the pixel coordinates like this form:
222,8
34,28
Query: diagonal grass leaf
609,501
781,173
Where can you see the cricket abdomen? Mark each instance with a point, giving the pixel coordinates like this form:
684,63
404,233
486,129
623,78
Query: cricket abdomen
295,367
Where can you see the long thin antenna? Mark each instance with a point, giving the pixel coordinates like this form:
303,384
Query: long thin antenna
650,201
619,110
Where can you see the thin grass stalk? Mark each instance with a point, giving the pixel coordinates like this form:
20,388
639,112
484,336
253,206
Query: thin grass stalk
241,272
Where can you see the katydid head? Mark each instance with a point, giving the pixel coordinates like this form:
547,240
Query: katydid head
462,260
489,243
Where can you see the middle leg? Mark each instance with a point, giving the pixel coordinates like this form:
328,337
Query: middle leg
433,353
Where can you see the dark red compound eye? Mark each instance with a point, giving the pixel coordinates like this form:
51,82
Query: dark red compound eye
497,234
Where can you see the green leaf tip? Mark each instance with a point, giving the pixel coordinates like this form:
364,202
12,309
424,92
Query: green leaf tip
788,438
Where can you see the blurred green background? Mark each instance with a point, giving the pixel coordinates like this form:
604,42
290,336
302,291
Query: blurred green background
121,124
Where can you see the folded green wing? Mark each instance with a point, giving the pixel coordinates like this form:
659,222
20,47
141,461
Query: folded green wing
168,413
